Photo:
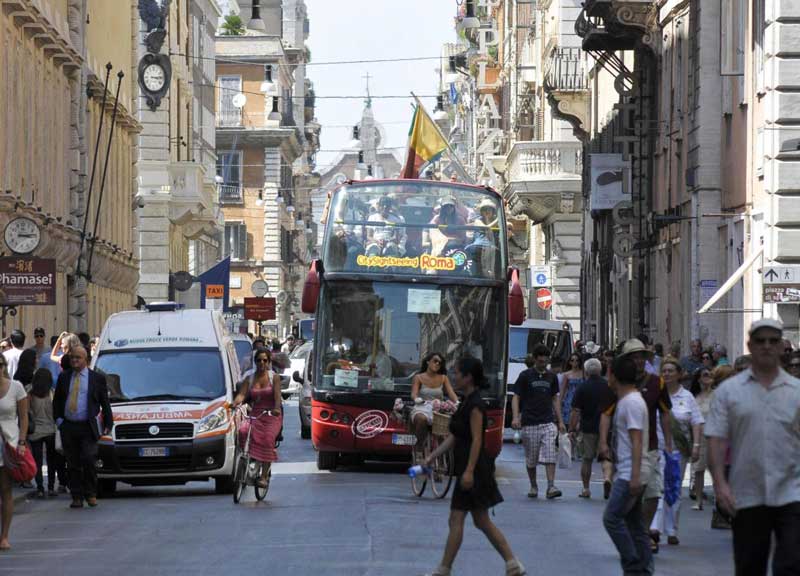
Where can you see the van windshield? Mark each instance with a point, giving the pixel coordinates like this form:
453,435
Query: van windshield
163,374
522,341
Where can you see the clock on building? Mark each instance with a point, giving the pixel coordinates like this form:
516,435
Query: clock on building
154,77
155,72
22,235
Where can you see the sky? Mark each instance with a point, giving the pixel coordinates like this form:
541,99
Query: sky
346,30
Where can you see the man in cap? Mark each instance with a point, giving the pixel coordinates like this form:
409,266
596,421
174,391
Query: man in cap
449,233
755,416
656,396
388,237
43,352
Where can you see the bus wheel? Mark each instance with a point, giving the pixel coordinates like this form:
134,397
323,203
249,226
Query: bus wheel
305,432
327,460
223,484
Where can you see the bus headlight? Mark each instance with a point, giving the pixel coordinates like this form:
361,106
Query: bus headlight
217,419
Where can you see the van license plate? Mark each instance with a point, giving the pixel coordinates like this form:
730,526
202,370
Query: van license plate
404,439
158,452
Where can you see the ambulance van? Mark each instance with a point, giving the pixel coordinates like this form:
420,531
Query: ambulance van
171,377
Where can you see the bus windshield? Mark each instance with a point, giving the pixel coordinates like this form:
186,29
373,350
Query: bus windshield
425,228
374,335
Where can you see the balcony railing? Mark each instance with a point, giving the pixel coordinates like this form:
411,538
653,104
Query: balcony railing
230,194
566,70
250,120
545,161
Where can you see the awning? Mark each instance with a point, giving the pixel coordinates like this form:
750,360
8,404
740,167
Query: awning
731,281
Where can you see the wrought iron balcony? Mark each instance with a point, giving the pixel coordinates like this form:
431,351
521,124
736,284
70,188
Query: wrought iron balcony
230,194
566,87
610,25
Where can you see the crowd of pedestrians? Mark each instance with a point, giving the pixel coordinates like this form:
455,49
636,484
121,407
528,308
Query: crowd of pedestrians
50,402
647,418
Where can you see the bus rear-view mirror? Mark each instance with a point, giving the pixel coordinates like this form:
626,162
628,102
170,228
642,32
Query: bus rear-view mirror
311,288
516,303
296,377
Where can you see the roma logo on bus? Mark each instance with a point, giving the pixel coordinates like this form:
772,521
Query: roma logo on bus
370,423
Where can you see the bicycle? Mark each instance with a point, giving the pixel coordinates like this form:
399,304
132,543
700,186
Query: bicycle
247,471
440,473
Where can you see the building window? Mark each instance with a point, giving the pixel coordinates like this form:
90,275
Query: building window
235,241
229,115
229,168
236,282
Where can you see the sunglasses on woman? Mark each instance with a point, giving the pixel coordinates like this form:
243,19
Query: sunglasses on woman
263,361
435,361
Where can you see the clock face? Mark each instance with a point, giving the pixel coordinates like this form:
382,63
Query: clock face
22,235
153,77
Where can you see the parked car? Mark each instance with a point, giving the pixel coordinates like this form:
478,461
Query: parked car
304,379
244,351
297,363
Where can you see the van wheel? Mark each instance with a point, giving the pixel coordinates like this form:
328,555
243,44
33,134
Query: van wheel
327,460
106,488
286,396
223,485
305,432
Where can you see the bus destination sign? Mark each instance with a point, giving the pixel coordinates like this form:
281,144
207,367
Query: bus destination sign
27,281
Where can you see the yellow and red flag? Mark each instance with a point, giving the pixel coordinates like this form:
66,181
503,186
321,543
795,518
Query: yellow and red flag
425,143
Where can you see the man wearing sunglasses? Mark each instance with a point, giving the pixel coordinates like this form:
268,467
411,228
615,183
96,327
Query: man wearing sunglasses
756,415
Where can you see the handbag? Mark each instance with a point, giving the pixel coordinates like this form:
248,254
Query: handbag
21,467
564,451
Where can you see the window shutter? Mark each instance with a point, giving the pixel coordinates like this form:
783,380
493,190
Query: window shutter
226,245
242,242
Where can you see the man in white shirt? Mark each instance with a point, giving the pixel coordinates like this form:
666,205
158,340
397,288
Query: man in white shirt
12,355
623,515
756,416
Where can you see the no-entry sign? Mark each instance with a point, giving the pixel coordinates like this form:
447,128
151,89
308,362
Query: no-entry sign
544,298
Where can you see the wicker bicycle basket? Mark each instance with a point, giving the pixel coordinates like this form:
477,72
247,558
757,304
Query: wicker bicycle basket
441,424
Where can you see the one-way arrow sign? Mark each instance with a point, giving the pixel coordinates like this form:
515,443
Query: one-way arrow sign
781,275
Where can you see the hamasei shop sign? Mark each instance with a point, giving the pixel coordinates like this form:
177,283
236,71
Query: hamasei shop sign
27,281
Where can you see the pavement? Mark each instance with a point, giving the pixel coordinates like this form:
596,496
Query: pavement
354,521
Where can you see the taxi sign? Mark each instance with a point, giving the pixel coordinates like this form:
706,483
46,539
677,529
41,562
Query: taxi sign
215,291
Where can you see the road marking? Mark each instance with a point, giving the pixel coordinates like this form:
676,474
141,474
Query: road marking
296,468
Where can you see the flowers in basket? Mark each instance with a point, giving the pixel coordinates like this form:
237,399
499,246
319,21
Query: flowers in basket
444,406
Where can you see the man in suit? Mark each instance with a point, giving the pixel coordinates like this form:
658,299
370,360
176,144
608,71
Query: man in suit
80,396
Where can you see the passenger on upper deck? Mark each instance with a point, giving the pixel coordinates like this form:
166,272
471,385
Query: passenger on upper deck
350,210
438,240
389,238
483,248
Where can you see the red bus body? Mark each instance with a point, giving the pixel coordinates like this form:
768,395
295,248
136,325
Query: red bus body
379,314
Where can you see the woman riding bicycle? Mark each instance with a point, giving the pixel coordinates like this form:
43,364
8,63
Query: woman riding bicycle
263,391
429,384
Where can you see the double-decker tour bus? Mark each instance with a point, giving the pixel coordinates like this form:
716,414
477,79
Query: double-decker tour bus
408,268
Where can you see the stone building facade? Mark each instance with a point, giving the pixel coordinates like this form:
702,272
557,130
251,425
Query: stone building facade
53,55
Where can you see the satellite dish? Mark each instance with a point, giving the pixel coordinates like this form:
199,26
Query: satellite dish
239,100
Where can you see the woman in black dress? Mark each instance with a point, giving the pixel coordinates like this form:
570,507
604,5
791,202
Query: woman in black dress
476,488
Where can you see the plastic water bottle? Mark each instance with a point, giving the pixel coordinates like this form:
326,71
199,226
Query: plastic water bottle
418,470
517,437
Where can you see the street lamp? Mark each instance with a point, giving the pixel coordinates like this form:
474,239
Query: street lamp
267,86
469,20
355,143
440,114
275,116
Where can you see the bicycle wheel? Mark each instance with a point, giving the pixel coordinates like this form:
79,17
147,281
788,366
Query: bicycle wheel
441,474
419,482
241,463
261,493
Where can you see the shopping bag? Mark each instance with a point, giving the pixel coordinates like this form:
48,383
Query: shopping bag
672,477
564,451
21,467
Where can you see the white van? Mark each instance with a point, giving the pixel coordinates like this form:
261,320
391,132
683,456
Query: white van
171,377
557,336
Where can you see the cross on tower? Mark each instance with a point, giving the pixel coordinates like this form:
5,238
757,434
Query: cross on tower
368,101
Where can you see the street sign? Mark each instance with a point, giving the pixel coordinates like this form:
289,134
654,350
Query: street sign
781,284
544,298
787,275
259,309
540,276
27,281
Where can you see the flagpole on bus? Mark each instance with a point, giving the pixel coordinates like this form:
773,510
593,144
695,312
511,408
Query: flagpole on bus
464,174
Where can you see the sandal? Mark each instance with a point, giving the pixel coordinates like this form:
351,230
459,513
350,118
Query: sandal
673,540
533,493
515,568
263,482
655,537
439,571
585,494
606,489
553,492
698,507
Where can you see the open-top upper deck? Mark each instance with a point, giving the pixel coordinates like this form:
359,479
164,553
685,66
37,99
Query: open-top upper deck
415,227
